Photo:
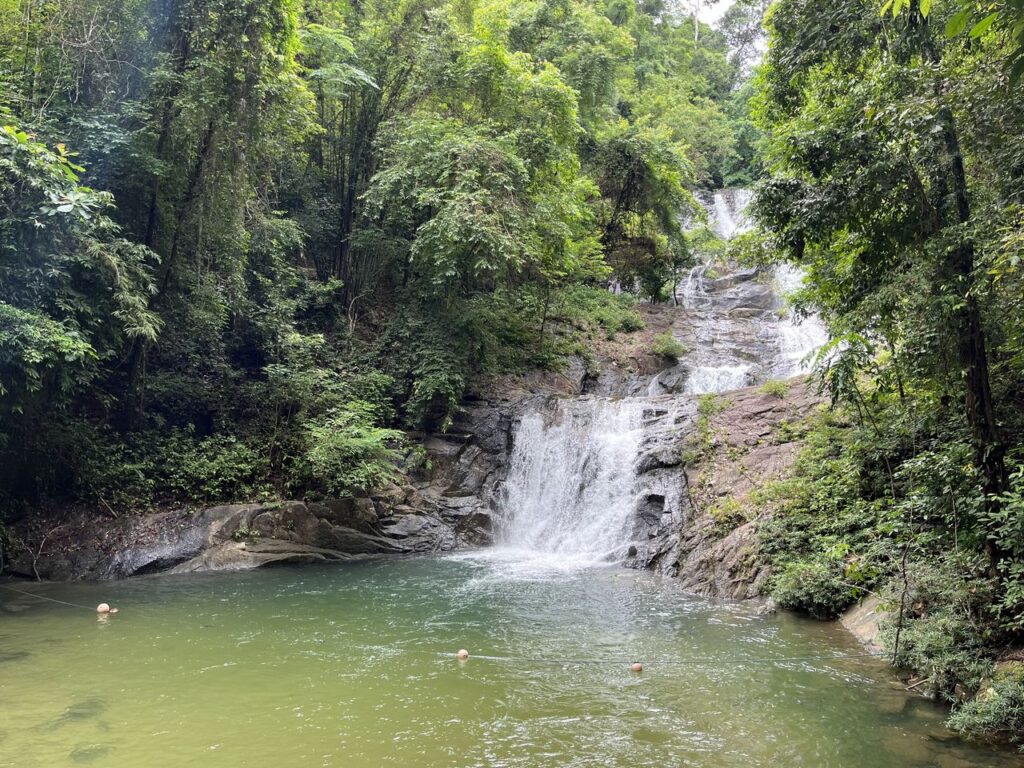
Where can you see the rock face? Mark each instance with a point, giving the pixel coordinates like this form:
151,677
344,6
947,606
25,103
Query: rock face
709,538
239,536
863,621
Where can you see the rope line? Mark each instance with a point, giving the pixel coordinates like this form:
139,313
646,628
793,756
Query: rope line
44,597
693,661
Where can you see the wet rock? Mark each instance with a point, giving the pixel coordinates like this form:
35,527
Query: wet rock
89,753
240,536
84,709
768,608
449,506
659,458
651,509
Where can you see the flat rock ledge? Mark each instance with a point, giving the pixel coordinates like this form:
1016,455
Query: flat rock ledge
243,536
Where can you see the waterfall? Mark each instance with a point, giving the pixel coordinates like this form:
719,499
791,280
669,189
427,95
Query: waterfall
798,337
717,378
570,490
744,332
709,370
579,489
694,289
729,212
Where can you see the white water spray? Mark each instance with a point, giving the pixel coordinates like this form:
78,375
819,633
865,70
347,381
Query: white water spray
570,491
799,338
694,291
721,378
729,208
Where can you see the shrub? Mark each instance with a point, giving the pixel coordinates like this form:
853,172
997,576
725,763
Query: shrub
153,467
587,306
665,345
997,710
814,586
942,647
775,388
728,515
428,358
216,468
347,452
940,638
1005,526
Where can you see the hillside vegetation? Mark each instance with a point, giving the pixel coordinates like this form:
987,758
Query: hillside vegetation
246,244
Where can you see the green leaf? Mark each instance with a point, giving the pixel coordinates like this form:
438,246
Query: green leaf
982,26
958,23
926,7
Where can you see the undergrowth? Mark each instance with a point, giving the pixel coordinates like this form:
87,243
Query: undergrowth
888,503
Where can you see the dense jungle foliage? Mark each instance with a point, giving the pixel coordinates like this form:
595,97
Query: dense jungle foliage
245,244
896,179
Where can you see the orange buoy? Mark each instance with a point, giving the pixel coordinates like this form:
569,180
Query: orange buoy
636,666
462,655
102,608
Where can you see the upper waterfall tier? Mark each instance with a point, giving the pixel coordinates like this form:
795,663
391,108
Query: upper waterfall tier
737,323
727,209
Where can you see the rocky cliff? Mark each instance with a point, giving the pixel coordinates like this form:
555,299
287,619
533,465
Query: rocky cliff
448,507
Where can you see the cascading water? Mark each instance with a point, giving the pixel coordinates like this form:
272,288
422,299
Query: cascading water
742,331
572,494
715,366
798,337
729,209
570,490
694,290
721,378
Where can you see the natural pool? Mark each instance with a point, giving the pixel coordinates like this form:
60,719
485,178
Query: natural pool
353,666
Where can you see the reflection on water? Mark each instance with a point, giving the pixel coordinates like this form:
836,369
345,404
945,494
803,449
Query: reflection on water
353,666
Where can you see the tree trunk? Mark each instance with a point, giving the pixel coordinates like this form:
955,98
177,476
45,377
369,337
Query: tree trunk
972,348
959,266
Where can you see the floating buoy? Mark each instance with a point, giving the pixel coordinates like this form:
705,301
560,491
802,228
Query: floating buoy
462,655
636,666
102,608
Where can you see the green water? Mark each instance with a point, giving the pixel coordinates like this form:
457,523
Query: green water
352,665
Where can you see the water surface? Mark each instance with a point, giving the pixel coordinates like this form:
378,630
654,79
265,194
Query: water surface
353,665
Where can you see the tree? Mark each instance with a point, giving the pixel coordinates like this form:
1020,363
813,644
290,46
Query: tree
871,191
74,292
